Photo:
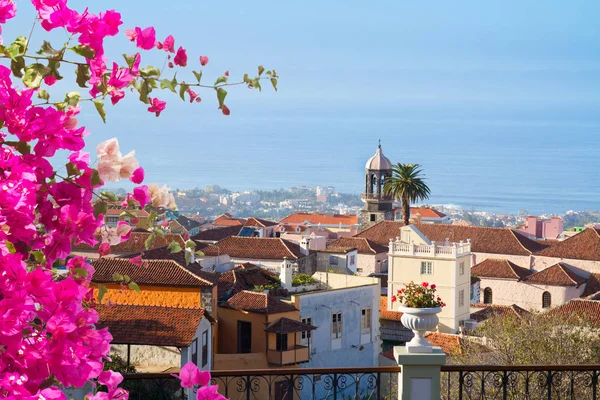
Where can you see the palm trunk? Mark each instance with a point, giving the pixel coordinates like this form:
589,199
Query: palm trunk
406,210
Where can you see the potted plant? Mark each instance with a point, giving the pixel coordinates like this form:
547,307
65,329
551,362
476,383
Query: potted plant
419,306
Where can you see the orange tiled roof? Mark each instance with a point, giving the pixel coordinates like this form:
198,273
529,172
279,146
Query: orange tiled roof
384,313
490,310
324,219
483,239
216,234
593,286
156,273
258,302
364,246
227,220
237,280
150,325
259,222
556,275
579,310
450,344
582,246
499,268
426,212
255,248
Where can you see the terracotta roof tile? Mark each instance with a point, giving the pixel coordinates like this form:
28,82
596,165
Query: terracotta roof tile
163,253
323,219
582,246
579,310
238,280
363,245
384,313
488,310
256,248
593,286
499,268
227,220
150,325
426,212
216,234
483,239
259,222
258,302
556,275
450,344
156,273
286,325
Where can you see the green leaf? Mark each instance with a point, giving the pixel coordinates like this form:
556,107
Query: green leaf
39,257
118,277
182,89
43,94
169,84
34,73
21,147
188,257
274,83
199,253
126,214
16,66
129,60
100,207
159,232
261,69
95,180
152,217
83,75
126,278
17,48
99,104
174,247
109,195
221,79
149,71
144,90
190,244
247,79
150,241
134,286
198,75
72,98
256,84
72,169
84,51
82,272
54,65
221,94
10,247
48,49
101,292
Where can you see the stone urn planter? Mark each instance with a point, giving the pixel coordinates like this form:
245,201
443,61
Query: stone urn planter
419,320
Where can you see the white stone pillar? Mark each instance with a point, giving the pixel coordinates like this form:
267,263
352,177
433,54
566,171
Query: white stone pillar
420,375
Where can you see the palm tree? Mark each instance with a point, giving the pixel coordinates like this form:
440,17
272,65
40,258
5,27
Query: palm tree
408,185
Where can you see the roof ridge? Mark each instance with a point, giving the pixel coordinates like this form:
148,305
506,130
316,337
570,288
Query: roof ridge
521,244
283,242
510,265
189,272
564,270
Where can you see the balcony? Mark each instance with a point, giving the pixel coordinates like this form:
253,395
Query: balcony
444,250
296,355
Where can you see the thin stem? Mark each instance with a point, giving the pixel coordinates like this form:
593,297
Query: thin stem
58,102
30,34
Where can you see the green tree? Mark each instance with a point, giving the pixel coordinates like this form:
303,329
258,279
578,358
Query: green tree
407,184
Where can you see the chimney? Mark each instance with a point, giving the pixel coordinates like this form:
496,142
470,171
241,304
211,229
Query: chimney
285,274
305,246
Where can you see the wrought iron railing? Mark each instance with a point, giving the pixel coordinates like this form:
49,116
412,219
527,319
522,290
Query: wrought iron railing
575,382
369,383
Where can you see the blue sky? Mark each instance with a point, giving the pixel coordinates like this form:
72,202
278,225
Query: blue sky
510,78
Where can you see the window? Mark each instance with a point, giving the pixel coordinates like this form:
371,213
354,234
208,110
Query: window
373,217
195,351
352,260
112,221
426,268
365,320
487,295
546,300
462,268
461,298
333,260
306,334
204,348
336,325
282,342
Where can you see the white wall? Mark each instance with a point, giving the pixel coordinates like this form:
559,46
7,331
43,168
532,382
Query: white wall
149,357
528,296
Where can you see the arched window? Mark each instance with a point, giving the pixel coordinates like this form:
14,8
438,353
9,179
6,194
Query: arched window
487,295
546,300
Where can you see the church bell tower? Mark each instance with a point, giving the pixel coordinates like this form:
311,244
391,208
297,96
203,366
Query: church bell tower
378,207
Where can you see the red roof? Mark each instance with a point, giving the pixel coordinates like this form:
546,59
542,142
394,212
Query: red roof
582,246
227,220
483,239
155,273
364,246
323,219
593,286
259,222
240,279
216,234
499,268
579,310
556,275
258,302
426,212
255,248
151,325
490,310
384,313
450,344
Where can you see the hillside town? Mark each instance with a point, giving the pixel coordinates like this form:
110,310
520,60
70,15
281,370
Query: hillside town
316,289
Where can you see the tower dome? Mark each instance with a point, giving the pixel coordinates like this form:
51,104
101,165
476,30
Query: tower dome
378,162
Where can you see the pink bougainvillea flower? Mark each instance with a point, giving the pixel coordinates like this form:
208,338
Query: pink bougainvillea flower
123,230
109,149
193,95
109,170
157,106
136,260
137,176
225,110
104,249
110,379
135,67
116,96
49,80
80,159
203,60
191,376
169,44
131,34
145,38
128,164
181,57
8,10
140,194
120,78
209,393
